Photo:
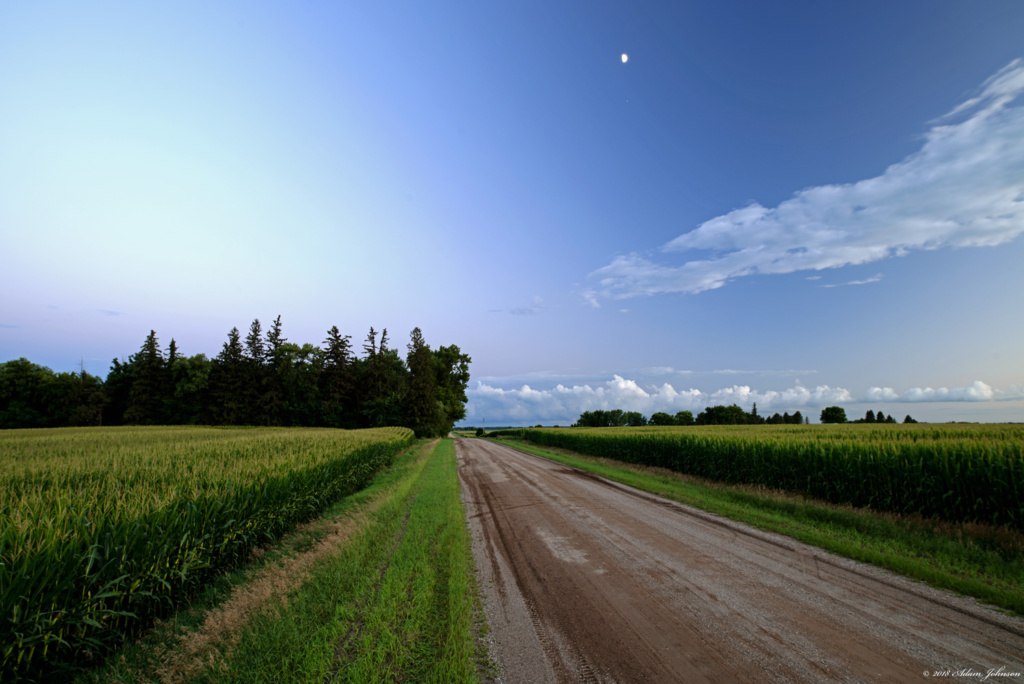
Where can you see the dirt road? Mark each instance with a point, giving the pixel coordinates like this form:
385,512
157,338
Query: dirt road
591,581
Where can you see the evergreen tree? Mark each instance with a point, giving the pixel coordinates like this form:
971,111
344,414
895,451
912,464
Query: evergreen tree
423,412
256,372
869,417
381,382
227,381
148,396
272,398
116,389
337,380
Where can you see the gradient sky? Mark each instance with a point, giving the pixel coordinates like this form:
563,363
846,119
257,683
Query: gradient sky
795,203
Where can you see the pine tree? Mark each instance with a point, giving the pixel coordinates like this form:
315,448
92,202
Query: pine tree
337,380
421,408
227,380
148,396
272,393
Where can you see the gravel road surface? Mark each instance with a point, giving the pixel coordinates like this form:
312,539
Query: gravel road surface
586,580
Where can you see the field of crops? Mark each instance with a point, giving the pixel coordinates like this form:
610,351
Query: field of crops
969,473
102,529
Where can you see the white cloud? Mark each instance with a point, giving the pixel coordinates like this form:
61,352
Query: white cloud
564,403
976,391
963,188
590,297
873,279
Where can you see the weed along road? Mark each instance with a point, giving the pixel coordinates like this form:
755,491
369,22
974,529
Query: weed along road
588,580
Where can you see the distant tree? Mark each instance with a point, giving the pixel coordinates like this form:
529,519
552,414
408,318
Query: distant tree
479,432
299,369
381,378
337,381
662,418
149,393
26,395
684,418
599,418
634,419
833,414
227,383
869,417
190,379
908,420
722,415
798,418
590,419
272,393
116,389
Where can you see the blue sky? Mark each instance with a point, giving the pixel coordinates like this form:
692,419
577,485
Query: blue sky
799,204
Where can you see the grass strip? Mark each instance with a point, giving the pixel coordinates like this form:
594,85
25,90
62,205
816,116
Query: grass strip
977,560
395,604
201,634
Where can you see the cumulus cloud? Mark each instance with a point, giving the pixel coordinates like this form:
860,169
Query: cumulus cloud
564,403
963,188
976,391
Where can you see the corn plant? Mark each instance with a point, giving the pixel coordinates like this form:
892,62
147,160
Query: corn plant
103,529
969,473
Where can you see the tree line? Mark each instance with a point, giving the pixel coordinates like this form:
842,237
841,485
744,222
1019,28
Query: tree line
837,414
711,415
261,379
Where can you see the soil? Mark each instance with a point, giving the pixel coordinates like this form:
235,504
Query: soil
586,580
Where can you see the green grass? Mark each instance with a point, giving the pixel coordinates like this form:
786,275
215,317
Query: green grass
397,602
395,605
978,560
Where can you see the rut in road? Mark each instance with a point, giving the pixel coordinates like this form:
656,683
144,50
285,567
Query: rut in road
620,585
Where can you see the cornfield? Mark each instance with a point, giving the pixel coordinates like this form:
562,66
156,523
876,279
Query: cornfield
967,473
101,529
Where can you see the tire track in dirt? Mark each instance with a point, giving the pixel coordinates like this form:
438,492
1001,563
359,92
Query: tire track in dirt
619,585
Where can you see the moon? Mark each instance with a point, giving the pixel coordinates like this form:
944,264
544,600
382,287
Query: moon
625,58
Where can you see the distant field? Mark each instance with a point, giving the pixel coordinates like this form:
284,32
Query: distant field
101,529
954,472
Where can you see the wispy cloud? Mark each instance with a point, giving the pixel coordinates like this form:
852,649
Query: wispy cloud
108,312
564,403
873,279
7,325
963,188
535,307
